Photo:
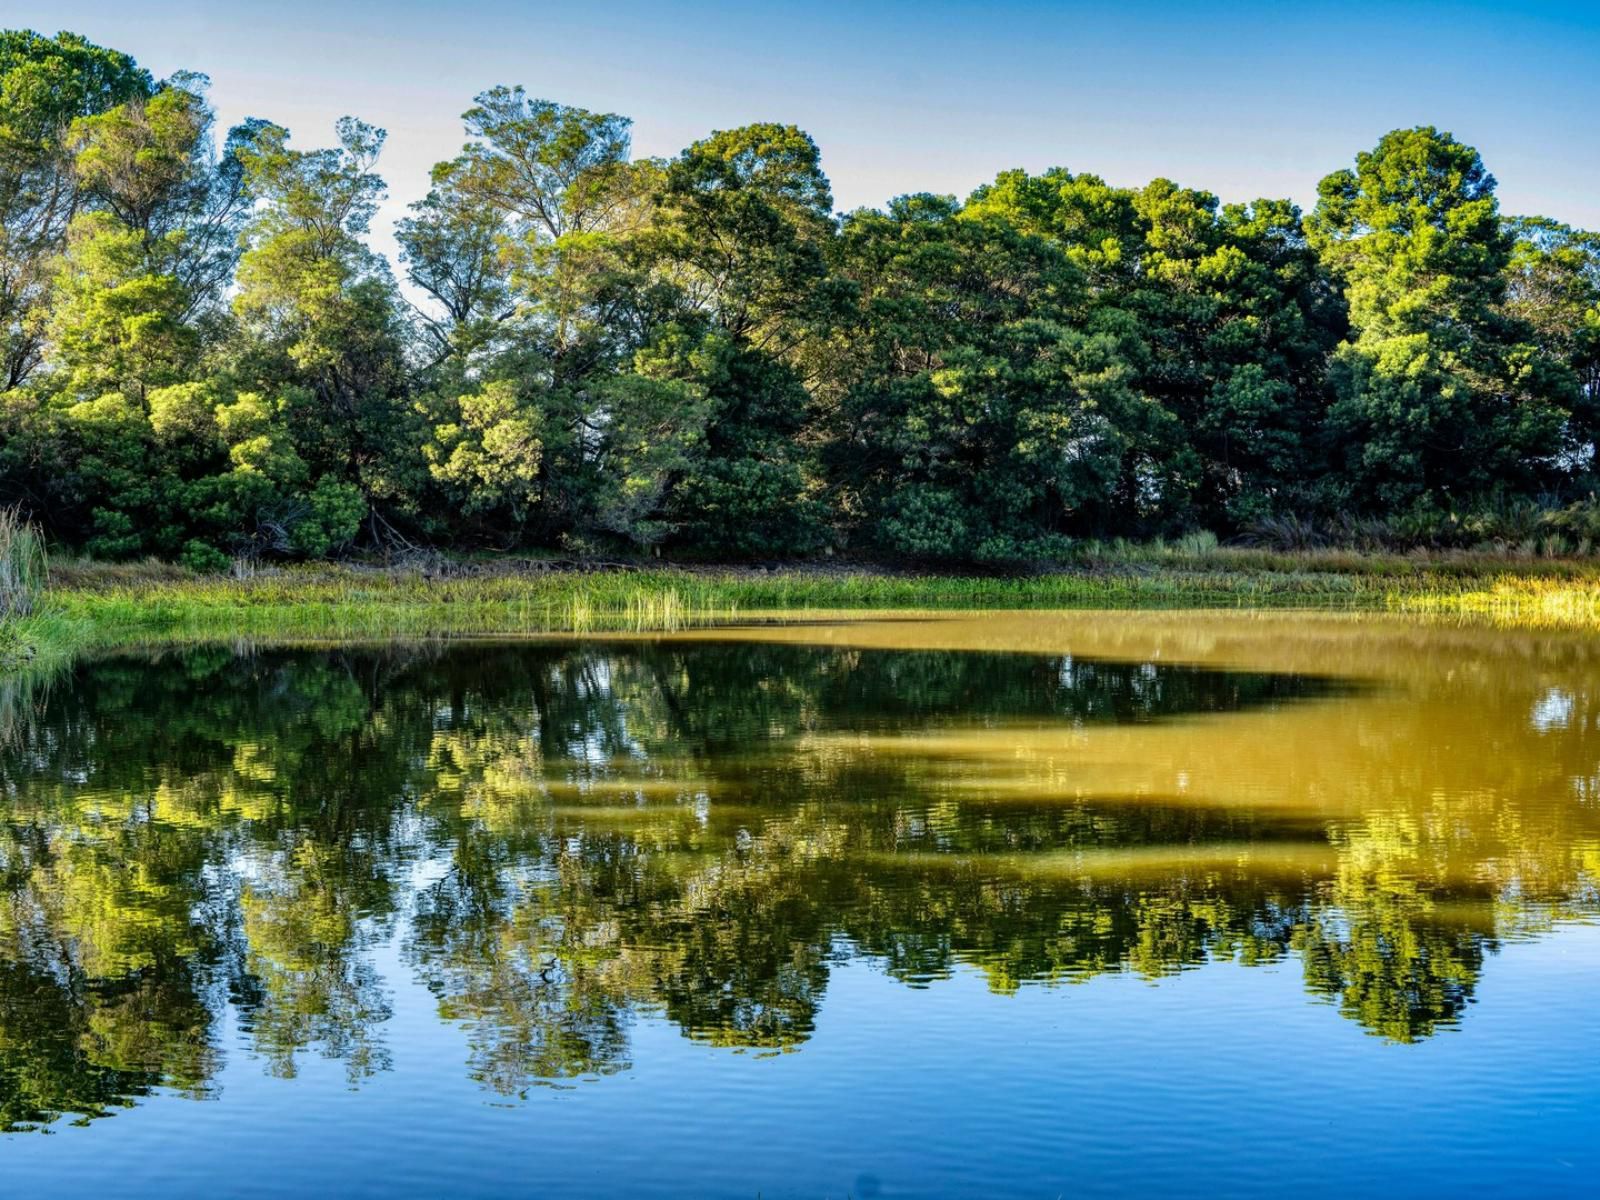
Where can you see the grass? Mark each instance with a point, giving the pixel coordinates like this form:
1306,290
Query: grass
23,574
89,604
24,569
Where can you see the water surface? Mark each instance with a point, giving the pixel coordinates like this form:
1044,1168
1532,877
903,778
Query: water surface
999,904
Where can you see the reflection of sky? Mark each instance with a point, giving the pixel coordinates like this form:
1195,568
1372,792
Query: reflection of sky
1244,100
1225,1080
1553,710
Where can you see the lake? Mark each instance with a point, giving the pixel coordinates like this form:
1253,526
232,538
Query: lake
1003,904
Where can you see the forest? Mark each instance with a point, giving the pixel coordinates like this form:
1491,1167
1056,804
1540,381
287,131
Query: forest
581,352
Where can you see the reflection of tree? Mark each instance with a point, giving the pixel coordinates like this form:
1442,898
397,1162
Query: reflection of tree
136,793
308,982
734,947
534,1004
1380,945
63,1050
564,836
106,957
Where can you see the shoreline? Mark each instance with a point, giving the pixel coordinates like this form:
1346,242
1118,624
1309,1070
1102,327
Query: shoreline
94,605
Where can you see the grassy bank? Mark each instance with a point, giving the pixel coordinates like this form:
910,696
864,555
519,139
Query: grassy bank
96,604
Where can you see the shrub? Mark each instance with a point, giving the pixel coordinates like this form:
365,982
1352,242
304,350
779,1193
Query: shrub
333,518
204,558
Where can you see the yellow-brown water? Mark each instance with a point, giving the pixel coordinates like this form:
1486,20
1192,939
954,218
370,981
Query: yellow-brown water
1318,861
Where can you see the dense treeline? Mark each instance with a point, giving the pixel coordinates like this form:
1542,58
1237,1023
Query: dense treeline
200,355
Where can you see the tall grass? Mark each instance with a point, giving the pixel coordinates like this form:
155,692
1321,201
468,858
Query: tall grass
331,603
23,565
23,571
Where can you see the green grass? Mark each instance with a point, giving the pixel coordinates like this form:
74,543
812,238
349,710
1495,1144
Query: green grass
42,641
99,605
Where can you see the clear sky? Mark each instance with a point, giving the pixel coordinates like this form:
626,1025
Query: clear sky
1243,99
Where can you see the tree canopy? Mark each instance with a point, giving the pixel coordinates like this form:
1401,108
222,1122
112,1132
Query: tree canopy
201,355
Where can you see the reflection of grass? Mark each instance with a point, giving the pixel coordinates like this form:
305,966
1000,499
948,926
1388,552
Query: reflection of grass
114,604
43,643
1514,600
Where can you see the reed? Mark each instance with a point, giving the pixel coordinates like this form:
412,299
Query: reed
24,569
23,574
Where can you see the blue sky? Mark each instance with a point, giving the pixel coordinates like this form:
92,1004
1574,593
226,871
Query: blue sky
1243,99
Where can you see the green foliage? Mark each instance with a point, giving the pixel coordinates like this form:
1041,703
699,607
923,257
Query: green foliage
203,559
980,419
486,448
695,355
1221,321
451,249
1553,295
335,512
45,85
1436,394
118,318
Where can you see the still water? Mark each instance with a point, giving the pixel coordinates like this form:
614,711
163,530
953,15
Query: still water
980,905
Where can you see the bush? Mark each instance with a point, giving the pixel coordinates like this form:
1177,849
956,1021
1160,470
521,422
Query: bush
334,516
747,508
1507,526
203,558
924,521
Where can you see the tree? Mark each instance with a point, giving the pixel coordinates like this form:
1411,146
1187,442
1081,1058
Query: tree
450,247
742,236
544,165
486,450
1438,398
155,246
118,321
200,354
977,418
152,163
137,298
1553,292
319,311
523,245
45,84
553,175
1224,317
